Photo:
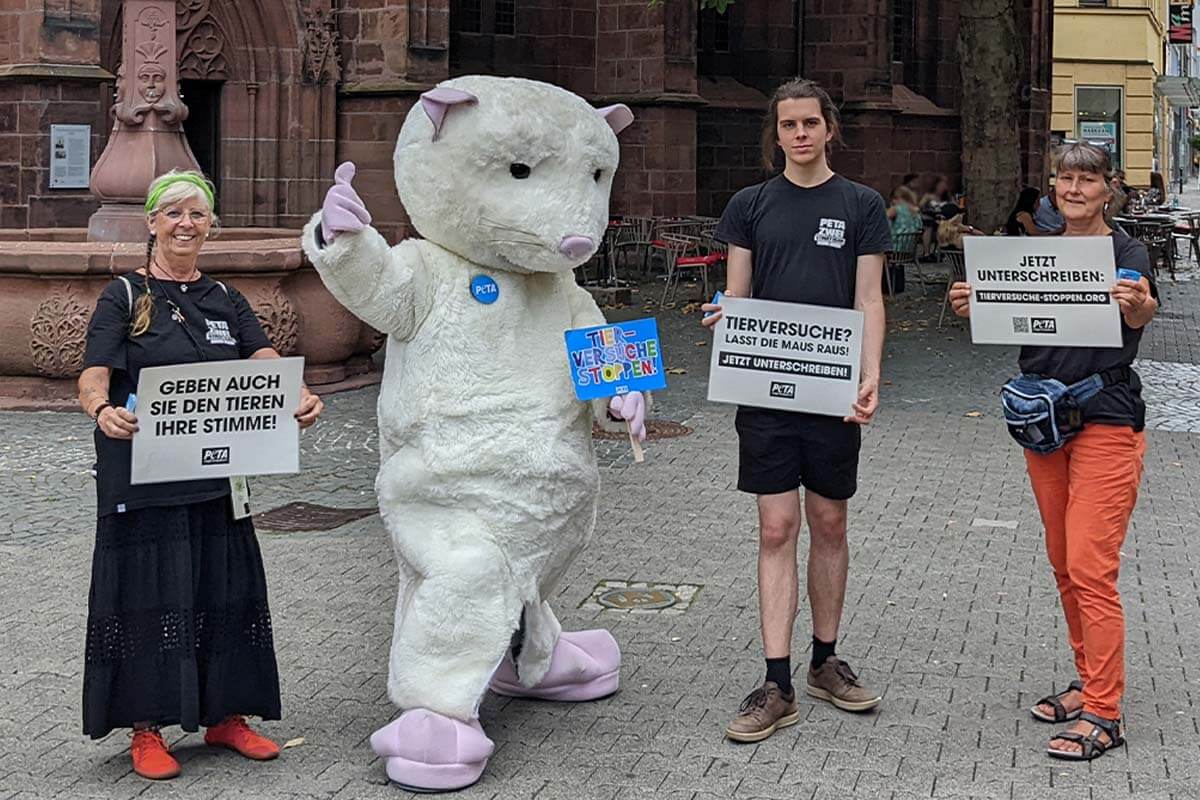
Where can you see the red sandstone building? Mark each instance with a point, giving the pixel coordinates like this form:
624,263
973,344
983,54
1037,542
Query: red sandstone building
280,91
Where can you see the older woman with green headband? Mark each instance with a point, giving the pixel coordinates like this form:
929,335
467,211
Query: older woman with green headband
179,630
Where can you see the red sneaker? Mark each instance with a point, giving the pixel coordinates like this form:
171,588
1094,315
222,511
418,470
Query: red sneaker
151,758
235,734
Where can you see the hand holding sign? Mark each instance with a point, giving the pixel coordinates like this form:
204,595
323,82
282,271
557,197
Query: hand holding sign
117,423
631,407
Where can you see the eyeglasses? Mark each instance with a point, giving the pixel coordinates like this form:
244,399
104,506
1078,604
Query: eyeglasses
197,217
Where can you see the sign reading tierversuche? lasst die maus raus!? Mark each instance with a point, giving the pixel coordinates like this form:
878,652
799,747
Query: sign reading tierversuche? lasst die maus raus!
787,356
1043,290
215,419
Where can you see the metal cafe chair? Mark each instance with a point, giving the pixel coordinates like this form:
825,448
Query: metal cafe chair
685,253
902,255
633,234
958,272
1188,229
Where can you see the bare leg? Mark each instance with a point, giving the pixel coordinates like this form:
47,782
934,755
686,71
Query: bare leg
778,582
828,563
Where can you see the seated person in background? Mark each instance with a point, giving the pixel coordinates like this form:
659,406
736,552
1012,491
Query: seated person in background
1020,221
903,215
950,232
1047,217
1117,204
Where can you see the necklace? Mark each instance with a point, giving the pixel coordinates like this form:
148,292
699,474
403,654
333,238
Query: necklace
183,284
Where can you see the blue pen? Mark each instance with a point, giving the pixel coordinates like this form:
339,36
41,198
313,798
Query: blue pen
716,301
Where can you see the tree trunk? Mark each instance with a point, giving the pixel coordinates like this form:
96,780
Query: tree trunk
990,55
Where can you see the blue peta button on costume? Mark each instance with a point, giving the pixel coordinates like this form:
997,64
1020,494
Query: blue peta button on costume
484,289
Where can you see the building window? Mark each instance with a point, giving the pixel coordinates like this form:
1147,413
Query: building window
718,42
904,39
1093,3
488,17
1098,118
506,17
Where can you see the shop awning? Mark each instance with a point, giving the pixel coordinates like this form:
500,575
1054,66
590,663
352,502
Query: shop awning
1179,90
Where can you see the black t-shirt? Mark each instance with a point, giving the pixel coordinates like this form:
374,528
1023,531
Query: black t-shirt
218,325
1121,403
805,242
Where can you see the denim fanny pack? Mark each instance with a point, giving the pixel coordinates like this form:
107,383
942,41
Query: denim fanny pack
1043,414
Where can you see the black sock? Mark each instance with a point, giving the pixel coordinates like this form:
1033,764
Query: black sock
821,651
779,671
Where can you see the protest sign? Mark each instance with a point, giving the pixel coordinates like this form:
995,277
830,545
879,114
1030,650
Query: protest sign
608,360
1043,290
215,419
786,356
615,359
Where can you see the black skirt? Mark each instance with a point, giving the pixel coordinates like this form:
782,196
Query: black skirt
178,631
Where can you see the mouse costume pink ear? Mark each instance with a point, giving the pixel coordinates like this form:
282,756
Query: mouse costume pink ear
437,101
618,117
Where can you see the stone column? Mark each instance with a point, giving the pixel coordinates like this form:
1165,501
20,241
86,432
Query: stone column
147,137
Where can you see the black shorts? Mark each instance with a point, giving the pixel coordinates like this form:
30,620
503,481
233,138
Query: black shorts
779,451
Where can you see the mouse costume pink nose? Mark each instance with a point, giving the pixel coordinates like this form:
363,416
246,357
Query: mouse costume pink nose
576,246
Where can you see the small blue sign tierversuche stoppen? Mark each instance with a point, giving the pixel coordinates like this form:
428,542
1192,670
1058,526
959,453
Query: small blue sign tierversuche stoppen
613,359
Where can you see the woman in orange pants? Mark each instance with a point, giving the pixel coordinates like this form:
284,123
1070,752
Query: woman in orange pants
1086,490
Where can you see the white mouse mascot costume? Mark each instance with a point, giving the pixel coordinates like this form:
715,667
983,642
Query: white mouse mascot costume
488,480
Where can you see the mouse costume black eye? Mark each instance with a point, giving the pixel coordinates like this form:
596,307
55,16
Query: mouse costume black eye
519,171
596,175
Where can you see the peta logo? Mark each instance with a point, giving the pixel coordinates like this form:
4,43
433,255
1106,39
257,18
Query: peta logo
785,390
1043,325
212,456
832,233
218,332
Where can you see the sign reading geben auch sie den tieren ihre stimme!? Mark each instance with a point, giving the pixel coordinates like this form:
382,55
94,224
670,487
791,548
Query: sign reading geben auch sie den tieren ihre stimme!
1043,290
217,419
787,356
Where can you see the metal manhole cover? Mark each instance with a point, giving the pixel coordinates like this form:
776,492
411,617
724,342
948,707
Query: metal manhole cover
626,599
641,597
655,429
309,517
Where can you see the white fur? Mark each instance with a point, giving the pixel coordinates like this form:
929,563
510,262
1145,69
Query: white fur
488,480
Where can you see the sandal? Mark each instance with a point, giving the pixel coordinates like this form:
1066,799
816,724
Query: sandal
1055,700
1090,742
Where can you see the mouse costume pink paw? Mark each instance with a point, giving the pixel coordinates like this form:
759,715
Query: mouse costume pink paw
343,210
586,665
426,752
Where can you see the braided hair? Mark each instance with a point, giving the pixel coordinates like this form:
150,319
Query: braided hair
143,307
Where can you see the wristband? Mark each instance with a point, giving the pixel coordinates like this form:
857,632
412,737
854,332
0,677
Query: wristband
100,410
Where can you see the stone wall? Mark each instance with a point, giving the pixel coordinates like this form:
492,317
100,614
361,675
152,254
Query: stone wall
49,75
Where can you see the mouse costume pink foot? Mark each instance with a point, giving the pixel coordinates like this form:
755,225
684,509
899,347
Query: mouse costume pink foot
586,665
426,752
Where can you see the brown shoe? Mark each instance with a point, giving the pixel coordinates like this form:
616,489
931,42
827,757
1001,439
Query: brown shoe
838,684
763,712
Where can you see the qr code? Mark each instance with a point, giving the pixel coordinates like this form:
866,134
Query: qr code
1020,324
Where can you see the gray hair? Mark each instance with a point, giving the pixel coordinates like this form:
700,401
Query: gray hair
1084,157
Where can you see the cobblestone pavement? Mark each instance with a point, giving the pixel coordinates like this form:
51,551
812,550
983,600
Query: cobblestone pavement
951,610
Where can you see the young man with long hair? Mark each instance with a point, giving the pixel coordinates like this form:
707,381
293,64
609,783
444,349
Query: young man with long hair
807,235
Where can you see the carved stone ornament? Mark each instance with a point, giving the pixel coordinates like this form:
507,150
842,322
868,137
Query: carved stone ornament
152,86
58,332
279,321
320,62
203,56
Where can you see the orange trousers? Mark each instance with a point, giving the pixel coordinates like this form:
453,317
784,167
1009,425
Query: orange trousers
1086,492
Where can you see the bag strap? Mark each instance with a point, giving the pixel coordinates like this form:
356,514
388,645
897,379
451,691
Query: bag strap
128,291
224,288
1091,385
